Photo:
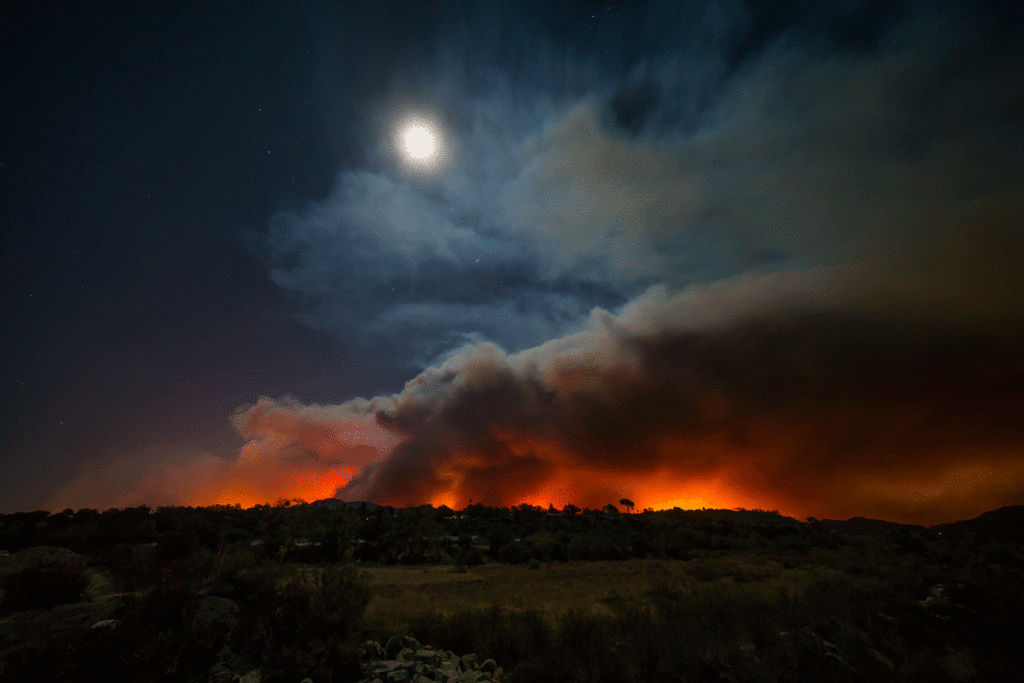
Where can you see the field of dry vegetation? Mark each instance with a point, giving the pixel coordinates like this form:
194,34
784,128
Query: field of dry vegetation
722,616
278,595
401,594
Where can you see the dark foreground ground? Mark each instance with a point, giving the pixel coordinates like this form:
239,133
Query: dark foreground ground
202,595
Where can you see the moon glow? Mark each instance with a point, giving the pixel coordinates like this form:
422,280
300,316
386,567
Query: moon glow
419,142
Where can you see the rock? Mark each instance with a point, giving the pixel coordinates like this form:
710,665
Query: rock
398,676
393,647
399,643
405,660
253,676
219,673
498,674
40,556
213,620
371,649
427,656
881,658
106,624
489,665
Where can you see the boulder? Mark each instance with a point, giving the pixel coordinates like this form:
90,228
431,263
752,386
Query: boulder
219,673
427,656
399,643
398,676
393,647
371,649
40,556
405,660
212,620
106,624
880,658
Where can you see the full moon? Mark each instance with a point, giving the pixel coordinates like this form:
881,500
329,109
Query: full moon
419,142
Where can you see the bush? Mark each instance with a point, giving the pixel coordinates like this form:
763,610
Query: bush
303,621
331,599
468,557
44,587
535,564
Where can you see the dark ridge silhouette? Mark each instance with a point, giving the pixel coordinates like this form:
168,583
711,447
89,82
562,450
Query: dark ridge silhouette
338,504
863,525
1006,522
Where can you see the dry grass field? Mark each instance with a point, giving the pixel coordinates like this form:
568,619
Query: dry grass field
401,594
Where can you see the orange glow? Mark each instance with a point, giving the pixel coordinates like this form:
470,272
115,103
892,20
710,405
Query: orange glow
308,486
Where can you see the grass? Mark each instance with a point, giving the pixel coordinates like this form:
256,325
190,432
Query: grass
400,594
722,616
665,625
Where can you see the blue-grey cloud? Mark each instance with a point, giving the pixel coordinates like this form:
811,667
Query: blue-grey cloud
704,143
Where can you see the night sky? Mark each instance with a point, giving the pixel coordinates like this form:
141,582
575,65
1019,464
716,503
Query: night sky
722,254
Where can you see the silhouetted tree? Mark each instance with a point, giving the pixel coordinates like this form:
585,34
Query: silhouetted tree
628,503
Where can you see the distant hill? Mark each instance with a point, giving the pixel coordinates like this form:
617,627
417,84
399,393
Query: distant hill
1006,522
863,525
338,504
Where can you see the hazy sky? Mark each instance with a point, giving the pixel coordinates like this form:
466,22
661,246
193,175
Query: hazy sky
759,254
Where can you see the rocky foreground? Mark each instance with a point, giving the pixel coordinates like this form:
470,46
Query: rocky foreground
404,659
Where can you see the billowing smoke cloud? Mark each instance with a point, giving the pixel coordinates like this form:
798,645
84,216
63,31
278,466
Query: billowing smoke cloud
291,452
760,387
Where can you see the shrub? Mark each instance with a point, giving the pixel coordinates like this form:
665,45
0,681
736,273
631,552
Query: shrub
335,597
468,557
308,625
535,564
44,587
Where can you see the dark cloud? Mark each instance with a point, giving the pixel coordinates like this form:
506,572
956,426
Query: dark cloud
801,408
